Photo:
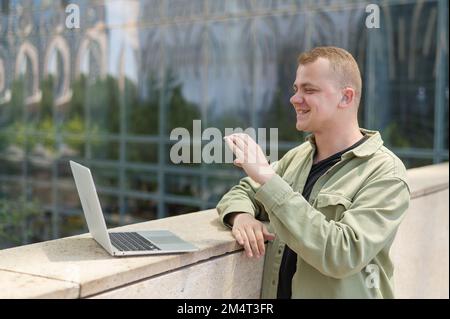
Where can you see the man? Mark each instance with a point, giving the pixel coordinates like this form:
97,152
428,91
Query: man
334,203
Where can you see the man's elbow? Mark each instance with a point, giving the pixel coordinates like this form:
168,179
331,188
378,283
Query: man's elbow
342,270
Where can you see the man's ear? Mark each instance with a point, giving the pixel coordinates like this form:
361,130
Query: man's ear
348,97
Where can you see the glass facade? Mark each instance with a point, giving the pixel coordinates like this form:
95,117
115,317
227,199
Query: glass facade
109,93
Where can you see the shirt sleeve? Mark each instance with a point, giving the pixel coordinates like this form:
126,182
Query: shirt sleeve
241,198
336,248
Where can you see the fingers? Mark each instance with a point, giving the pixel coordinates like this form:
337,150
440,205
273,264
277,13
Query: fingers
238,163
244,142
260,241
251,234
235,148
245,149
267,235
230,143
251,149
246,245
241,237
240,141
237,235
252,238
240,149
253,243
245,138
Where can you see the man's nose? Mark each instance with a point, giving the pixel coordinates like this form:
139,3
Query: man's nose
296,99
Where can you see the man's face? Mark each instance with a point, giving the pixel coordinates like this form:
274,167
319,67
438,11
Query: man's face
316,96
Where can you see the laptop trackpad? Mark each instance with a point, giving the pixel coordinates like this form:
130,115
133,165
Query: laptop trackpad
168,241
161,237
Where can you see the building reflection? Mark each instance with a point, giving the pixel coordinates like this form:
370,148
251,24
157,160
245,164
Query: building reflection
109,94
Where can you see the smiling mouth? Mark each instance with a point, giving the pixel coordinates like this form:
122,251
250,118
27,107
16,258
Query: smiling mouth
303,111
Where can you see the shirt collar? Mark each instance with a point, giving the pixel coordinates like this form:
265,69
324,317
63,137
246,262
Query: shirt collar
369,147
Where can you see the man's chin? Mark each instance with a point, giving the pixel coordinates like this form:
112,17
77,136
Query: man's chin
301,128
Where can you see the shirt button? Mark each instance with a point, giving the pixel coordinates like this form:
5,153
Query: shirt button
273,282
280,251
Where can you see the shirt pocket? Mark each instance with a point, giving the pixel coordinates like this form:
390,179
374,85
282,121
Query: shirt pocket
333,206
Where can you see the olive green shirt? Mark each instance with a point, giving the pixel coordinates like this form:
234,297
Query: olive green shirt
343,234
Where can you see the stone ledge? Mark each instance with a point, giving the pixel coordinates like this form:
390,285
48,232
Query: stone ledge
16,285
428,179
216,278
81,260
420,251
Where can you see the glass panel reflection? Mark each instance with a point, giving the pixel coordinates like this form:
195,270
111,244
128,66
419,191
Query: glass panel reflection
417,162
141,210
405,102
68,200
230,74
141,181
218,186
104,150
277,48
109,94
184,76
71,224
179,209
105,176
10,164
185,185
140,152
111,211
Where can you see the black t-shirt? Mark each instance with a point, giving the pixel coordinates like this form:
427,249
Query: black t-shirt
289,261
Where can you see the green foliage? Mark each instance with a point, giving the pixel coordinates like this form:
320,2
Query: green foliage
16,219
180,112
103,100
143,114
393,135
16,105
46,103
283,117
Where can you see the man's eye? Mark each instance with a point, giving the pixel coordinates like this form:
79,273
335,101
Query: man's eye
309,91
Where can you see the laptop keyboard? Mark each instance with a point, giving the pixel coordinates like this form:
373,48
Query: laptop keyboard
131,242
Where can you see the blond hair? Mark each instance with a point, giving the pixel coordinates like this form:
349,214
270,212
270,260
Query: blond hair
342,64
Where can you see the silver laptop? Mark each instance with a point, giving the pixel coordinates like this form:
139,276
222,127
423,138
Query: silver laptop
121,243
